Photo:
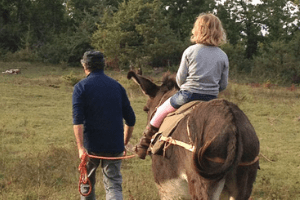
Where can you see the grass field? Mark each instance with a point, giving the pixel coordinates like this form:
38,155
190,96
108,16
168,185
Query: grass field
38,154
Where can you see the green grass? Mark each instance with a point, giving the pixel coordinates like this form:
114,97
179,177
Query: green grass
38,154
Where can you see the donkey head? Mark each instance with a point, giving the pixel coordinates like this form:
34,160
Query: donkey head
156,94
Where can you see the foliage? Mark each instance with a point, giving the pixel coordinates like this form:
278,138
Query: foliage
65,48
71,79
182,14
79,9
21,55
230,23
48,28
237,61
279,62
242,20
279,20
29,23
137,30
143,33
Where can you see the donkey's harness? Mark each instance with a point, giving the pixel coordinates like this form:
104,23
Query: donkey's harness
163,140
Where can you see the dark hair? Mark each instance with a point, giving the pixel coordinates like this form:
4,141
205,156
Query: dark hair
94,60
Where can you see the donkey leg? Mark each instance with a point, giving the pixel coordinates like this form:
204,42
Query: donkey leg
174,189
242,188
171,182
251,176
217,189
230,191
204,189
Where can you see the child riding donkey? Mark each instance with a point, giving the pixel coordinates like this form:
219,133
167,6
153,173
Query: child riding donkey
202,74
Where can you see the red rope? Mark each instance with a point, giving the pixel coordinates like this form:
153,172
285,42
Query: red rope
84,179
111,158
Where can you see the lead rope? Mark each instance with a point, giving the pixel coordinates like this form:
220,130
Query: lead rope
84,179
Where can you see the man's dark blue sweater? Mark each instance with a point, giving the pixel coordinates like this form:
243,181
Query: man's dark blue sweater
100,103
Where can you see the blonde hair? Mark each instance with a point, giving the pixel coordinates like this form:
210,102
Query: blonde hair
208,30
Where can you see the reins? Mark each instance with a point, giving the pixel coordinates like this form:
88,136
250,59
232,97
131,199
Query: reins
84,179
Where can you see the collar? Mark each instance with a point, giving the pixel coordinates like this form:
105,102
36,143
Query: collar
95,72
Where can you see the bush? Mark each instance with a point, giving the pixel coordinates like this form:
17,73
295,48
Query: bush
276,62
23,55
237,61
66,48
71,79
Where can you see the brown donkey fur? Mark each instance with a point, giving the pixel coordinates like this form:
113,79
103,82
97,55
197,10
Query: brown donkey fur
221,167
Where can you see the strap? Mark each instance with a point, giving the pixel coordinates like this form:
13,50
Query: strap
170,140
191,148
221,161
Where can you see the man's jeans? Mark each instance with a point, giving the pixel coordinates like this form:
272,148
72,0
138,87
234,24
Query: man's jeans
112,178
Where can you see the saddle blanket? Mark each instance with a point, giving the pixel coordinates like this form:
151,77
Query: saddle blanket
169,124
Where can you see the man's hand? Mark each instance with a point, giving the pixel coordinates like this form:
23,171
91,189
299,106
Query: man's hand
81,152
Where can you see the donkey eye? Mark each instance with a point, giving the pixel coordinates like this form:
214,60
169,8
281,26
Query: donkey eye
146,109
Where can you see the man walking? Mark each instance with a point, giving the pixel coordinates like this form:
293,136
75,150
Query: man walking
99,106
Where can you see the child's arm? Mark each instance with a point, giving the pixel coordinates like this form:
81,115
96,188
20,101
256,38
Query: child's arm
224,78
182,72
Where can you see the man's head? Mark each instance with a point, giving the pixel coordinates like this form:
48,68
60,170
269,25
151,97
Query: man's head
93,60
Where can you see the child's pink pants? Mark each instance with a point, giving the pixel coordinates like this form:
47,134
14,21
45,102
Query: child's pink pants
161,113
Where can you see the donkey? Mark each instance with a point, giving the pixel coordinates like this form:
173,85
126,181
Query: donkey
224,162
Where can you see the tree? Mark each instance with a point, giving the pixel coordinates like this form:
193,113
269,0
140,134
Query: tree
138,30
181,14
13,23
47,19
78,22
294,45
279,19
243,22
29,24
78,8
277,62
83,17
231,23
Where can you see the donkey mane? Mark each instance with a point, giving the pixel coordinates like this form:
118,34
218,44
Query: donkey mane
169,80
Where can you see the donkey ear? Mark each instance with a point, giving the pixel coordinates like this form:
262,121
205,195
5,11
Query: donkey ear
147,86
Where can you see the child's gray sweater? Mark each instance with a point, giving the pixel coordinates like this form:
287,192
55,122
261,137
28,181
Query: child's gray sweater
203,69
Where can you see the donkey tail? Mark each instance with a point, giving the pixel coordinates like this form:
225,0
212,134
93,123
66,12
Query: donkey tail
210,166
